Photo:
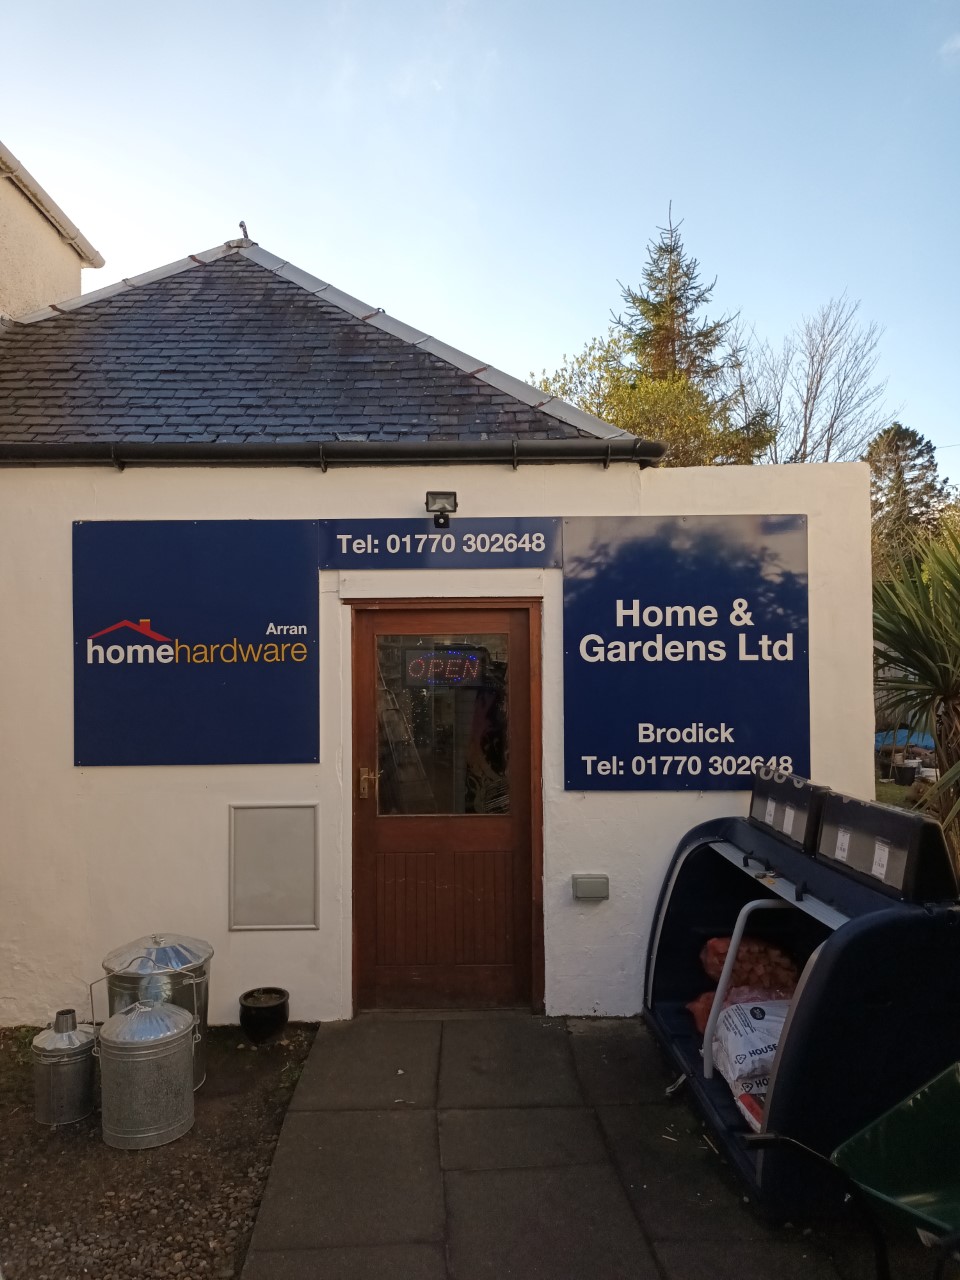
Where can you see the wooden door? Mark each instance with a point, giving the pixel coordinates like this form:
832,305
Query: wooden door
442,777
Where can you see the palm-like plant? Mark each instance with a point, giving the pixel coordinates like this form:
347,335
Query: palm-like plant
916,621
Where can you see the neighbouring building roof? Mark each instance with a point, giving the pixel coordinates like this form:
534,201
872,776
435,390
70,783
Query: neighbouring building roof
237,349
25,182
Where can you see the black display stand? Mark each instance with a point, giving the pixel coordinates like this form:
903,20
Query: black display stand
877,1010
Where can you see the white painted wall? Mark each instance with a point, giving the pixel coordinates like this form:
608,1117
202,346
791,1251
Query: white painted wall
92,858
37,266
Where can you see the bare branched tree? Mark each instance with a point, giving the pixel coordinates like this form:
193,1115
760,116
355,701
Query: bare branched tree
739,382
819,388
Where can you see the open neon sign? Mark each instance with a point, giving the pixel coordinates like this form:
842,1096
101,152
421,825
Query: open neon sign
460,667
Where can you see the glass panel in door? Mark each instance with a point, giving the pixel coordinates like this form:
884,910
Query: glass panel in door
442,724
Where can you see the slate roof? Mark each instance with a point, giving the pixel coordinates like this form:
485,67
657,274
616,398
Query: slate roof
235,346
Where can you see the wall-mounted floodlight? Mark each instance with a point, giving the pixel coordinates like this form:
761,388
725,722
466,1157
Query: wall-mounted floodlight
441,506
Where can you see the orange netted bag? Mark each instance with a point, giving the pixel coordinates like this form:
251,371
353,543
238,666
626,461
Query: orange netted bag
758,963
758,995
700,1010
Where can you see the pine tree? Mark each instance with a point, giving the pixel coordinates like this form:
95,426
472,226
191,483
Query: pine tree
907,494
665,373
663,326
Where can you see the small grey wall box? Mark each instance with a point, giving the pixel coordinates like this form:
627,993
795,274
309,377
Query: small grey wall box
591,887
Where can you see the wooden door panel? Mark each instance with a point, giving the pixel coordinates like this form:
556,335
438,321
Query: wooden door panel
483,908
470,835
443,903
406,895
472,895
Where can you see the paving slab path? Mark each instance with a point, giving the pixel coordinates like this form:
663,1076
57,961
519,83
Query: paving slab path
488,1147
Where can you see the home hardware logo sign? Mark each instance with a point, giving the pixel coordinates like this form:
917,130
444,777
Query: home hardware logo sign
168,649
196,642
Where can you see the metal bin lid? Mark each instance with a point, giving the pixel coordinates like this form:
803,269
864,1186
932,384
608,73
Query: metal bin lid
146,1022
162,951
64,1039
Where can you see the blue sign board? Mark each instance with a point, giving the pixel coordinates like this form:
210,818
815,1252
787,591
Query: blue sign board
416,544
195,642
685,651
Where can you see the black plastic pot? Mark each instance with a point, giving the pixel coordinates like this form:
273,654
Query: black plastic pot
904,775
264,1012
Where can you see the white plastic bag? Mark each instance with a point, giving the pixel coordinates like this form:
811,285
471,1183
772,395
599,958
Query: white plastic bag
744,1048
745,1041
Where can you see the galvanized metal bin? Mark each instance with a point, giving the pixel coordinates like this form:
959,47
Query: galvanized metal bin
164,966
146,1069
64,1072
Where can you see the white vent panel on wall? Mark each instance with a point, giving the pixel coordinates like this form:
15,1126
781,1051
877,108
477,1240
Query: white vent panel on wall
273,867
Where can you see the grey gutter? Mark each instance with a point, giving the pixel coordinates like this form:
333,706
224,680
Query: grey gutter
334,453
26,183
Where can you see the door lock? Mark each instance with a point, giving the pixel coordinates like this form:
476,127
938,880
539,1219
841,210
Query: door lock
368,778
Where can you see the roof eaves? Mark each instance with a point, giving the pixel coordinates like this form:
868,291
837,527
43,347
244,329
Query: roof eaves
26,183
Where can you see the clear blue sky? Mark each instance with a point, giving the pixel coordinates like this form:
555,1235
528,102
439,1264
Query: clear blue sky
489,169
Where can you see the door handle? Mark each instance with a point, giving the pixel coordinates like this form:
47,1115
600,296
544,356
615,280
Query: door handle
366,778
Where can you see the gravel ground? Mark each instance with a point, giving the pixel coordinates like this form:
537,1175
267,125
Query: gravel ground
73,1207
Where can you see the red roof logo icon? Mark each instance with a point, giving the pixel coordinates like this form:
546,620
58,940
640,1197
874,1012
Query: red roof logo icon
143,627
